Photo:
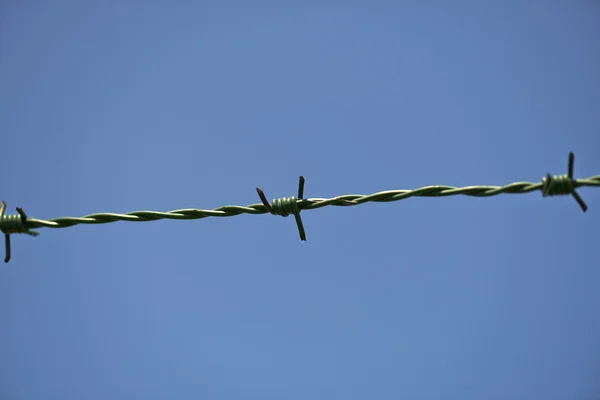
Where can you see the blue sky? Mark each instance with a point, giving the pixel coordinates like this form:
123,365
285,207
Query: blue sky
115,108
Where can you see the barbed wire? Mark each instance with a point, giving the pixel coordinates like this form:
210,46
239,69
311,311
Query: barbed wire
549,186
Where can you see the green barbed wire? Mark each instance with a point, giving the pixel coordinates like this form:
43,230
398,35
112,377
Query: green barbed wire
549,186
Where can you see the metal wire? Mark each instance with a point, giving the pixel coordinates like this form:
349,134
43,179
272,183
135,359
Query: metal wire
550,186
304,204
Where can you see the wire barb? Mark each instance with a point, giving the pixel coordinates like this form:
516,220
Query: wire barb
286,206
561,185
14,223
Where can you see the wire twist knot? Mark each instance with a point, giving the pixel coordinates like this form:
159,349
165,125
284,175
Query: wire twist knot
12,224
285,206
560,185
557,185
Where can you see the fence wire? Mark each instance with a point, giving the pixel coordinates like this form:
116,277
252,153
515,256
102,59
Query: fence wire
549,186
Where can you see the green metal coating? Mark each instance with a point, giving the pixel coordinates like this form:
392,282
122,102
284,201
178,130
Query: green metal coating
13,224
285,206
550,186
310,204
557,185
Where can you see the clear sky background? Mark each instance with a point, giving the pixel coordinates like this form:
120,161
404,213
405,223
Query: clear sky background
118,106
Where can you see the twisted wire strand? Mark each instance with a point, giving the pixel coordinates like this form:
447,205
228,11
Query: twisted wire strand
304,204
